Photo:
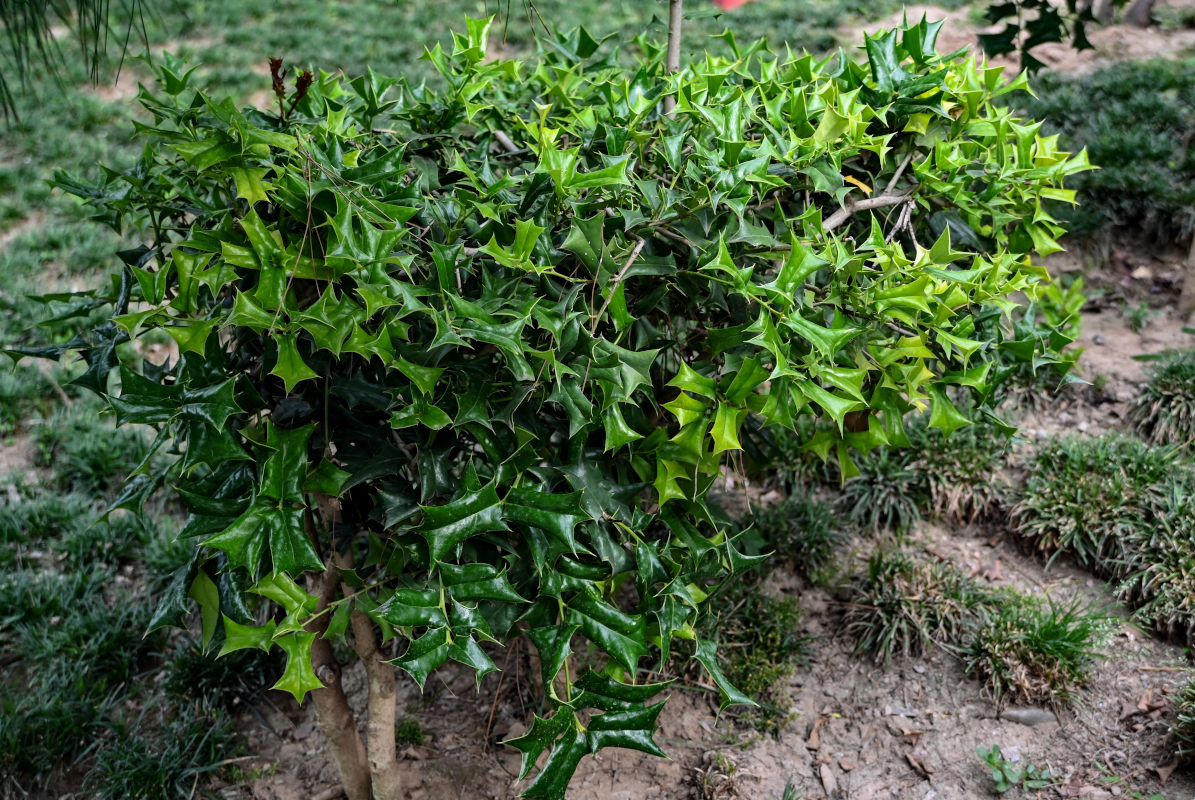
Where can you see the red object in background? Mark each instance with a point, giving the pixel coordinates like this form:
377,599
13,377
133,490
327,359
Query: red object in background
729,5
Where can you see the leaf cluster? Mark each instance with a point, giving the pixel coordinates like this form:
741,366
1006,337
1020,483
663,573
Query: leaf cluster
467,360
1137,120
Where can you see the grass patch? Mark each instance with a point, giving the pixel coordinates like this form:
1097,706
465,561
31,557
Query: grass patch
1157,572
1182,727
1164,412
804,532
1092,498
888,494
905,606
962,471
762,646
163,758
1036,653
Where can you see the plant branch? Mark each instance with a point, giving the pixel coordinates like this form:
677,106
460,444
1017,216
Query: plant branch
335,717
839,217
672,63
639,243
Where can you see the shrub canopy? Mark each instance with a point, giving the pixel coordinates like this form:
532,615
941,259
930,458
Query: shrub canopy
479,353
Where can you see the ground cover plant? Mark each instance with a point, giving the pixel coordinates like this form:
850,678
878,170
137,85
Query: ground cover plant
1182,726
1030,651
1122,509
1164,412
1092,498
80,701
907,605
450,373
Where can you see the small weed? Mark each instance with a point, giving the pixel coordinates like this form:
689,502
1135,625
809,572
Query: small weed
1035,653
1007,775
1137,316
409,732
887,494
906,605
761,647
1165,410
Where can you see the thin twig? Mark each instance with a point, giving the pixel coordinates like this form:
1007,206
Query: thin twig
639,243
506,142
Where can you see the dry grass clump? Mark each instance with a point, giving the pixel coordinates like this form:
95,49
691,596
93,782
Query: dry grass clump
906,605
1165,409
1036,653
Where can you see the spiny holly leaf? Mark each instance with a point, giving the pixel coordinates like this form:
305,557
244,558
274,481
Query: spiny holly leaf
473,514
424,654
478,582
410,608
626,723
299,676
554,643
707,654
620,635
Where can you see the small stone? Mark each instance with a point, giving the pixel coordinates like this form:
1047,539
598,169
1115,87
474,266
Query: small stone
1028,716
1099,338
1083,426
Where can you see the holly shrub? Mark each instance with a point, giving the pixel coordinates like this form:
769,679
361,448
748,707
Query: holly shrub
461,364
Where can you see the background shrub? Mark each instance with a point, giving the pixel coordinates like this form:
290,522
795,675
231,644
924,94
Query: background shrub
1137,121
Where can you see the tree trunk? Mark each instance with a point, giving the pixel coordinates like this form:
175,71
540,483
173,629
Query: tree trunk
672,62
1103,10
336,720
1140,13
383,756
1186,300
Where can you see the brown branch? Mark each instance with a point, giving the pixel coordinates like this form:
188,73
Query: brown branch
379,729
639,243
886,198
506,142
335,718
839,217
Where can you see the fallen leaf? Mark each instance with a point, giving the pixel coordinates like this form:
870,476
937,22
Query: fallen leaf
814,740
919,765
1165,770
